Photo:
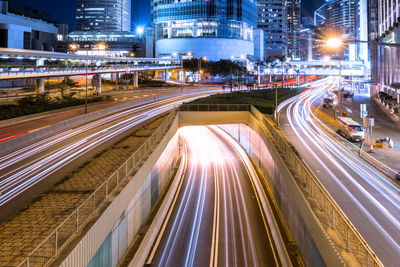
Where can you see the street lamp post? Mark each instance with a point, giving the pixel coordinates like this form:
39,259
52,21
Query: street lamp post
74,47
340,89
199,66
86,94
336,43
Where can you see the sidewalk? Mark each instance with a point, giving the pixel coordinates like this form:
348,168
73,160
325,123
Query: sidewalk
384,127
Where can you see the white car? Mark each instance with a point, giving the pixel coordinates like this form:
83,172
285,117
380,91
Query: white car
350,129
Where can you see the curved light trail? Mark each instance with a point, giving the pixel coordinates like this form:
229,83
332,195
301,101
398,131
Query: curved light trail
368,198
217,220
25,167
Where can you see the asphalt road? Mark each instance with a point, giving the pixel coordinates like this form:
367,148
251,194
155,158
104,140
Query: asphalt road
29,167
39,120
368,198
216,220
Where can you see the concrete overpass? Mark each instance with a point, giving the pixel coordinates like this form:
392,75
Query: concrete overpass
319,67
30,64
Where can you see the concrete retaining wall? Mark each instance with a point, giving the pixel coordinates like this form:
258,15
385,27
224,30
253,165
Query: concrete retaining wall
106,241
285,190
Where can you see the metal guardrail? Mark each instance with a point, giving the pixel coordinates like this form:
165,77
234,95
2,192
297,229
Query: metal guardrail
215,107
358,151
6,53
78,218
329,211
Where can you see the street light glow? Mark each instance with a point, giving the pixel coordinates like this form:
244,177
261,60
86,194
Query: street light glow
140,30
334,42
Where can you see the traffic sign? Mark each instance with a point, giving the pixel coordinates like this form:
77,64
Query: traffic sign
363,110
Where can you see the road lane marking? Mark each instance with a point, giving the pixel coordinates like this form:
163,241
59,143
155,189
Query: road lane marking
165,223
215,235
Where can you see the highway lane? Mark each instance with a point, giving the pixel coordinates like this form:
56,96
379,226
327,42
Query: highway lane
25,167
217,219
37,121
368,198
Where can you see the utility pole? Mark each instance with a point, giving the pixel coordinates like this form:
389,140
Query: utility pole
86,93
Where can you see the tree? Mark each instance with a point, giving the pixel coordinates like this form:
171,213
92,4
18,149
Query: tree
191,65
27,10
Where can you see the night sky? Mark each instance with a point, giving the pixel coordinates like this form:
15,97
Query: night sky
64,10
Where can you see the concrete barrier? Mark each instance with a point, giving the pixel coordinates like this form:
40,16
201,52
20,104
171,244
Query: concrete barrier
81,252
157,227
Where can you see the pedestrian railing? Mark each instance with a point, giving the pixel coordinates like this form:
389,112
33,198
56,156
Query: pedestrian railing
25,70
320,200
55,241
215,107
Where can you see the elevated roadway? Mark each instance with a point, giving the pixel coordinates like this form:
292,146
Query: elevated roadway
40,65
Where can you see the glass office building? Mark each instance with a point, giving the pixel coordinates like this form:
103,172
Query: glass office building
293,28
103,15
271,18
207,28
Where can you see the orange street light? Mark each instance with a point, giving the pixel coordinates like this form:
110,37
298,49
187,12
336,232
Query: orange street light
73,46
334,42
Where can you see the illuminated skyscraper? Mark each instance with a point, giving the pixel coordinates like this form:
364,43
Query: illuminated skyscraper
103,15
271,18
293,28
207,28
341,20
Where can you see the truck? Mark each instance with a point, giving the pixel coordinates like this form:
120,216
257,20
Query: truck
350,129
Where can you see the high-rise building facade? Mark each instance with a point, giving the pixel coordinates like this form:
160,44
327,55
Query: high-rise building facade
214,29
293,28
271,18
320,15
341,16
341,20
386,59
103,15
